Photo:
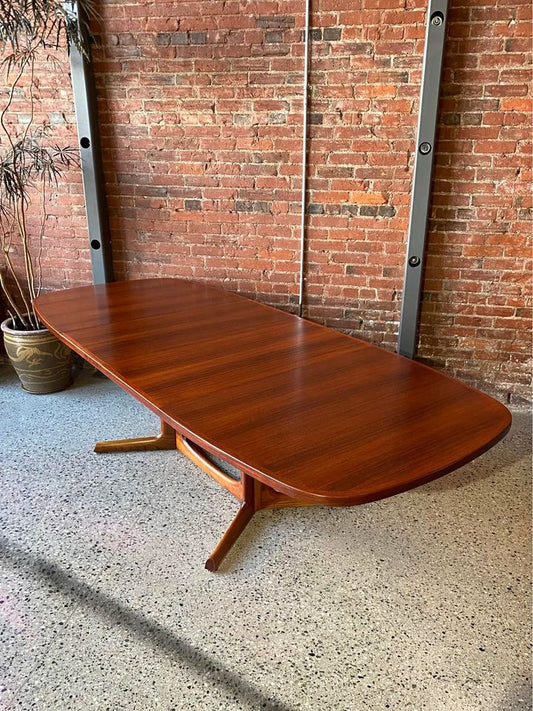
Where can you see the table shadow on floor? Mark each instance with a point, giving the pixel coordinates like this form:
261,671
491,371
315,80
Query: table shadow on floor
38,568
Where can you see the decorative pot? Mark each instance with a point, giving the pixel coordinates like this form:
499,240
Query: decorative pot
42,362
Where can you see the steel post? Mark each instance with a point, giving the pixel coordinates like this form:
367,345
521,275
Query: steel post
91,158
422,178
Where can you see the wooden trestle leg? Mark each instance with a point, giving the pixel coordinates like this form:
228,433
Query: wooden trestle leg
237,526
166,439
254,497
252,494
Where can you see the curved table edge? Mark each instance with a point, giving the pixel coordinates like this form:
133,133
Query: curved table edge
317,497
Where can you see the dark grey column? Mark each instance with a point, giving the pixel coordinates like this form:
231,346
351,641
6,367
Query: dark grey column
91,159
422,178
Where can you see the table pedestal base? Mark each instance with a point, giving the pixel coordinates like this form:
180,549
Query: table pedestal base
253,494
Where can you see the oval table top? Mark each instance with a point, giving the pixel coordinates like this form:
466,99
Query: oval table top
311,412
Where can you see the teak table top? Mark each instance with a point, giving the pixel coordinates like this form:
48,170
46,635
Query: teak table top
310,412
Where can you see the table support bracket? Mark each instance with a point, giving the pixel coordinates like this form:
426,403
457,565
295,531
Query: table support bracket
234,486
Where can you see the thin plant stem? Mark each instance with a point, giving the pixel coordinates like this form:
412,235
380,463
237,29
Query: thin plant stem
16,280
10,101
31,100
21,207
38,260
11,302
28,265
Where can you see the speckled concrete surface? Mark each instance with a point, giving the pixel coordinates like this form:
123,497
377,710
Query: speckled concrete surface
417,602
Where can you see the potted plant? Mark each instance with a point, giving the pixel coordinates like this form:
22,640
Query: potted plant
32,35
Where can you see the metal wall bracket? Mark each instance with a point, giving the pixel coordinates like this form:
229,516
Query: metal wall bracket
422,183
91,158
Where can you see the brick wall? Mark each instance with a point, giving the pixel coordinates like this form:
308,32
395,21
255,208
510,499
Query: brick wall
201,113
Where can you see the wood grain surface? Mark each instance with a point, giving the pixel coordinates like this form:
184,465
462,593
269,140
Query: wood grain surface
311,412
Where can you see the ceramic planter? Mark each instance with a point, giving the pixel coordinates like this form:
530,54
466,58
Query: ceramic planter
42,362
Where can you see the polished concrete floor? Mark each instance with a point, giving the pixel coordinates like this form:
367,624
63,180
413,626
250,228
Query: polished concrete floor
420,601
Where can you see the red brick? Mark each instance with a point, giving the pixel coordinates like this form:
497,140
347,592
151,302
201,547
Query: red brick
200,121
